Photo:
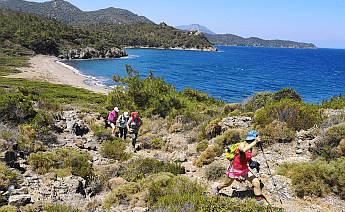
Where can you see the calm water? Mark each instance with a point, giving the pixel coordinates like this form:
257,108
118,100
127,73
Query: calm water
232,73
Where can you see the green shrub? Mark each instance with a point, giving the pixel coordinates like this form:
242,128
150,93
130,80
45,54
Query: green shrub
275,132
60,208
257,101
229,137
8,208
139,168
236,112
334,135
215,172
329,147
63,158
80,166
316,178
206,157
229,108
157,143
202,145
213,129
334,103
287,93
297,115
41,162
113,149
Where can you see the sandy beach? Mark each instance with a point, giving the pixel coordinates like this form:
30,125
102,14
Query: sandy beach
44,68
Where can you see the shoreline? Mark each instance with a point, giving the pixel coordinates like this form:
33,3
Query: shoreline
50,69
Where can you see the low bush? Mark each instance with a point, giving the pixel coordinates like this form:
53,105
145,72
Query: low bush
257,101
229,137
80,166
7,176
60,208
114,149
202,145
157,143
8,208
228,108
206,157
330,146
215,172
275,132
287,93
297,115
139,168
334,103
64,159
213,129
166,192
236,112
318,178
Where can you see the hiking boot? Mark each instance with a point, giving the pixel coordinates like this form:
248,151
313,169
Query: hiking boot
215,192
258,200
134,150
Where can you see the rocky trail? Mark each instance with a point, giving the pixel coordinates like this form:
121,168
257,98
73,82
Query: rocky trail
75,132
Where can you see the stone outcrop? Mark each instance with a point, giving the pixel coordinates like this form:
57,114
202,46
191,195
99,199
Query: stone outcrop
92,53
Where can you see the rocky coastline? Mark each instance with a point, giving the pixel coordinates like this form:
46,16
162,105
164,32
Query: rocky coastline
92,53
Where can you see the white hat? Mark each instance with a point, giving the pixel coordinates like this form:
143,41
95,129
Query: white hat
125,114
116,109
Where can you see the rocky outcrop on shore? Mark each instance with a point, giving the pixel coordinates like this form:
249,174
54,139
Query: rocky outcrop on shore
72,129
92,53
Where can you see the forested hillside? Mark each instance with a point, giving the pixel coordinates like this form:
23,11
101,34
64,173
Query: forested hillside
46,36
67,13
234,40
142,34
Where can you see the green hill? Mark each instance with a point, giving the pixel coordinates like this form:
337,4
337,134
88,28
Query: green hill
234,40
67,13
152,35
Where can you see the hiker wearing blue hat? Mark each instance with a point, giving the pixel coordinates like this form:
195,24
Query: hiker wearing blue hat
239,165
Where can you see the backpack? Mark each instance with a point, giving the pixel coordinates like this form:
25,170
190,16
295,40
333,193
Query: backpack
231,151
132,117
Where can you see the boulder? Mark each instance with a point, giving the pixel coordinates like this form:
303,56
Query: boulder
19,200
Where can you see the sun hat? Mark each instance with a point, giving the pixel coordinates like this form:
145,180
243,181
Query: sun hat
116,109
252,135
125,114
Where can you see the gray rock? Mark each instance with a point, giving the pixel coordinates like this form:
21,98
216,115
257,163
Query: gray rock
19,200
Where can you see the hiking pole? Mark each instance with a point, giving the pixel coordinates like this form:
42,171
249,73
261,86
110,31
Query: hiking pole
274,183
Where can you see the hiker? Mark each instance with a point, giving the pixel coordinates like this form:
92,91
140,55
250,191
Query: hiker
112,119
133,126
122,120
239,166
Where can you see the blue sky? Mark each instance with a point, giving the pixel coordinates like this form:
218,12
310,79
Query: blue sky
321,22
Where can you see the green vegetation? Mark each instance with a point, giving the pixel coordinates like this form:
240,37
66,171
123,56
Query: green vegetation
45,36
317,178
152,35
76,160
334,102
7,176
297,115
234,40
139,168
114,149
153,96
167,192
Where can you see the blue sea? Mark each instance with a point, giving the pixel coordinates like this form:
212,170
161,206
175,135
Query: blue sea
232,73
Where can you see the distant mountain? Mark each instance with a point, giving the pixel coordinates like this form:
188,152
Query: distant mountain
193,27
67,13
234,40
